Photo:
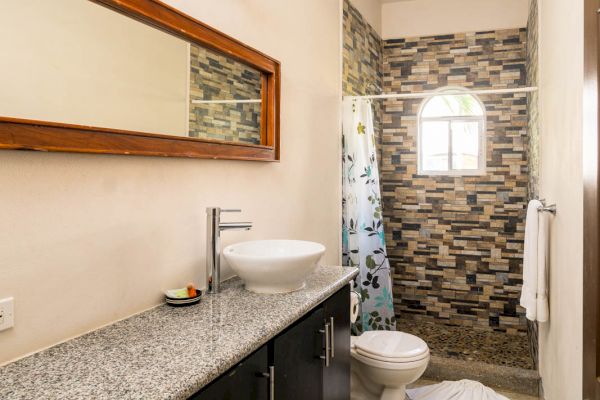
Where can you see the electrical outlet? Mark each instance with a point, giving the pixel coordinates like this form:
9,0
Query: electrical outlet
7,314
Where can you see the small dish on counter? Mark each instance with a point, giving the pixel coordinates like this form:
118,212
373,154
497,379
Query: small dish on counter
179,297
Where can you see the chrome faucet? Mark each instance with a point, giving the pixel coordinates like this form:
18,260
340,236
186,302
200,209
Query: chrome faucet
214,226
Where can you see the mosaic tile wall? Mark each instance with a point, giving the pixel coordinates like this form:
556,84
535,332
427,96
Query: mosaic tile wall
532,99
456,243
216,77
363,61
534,137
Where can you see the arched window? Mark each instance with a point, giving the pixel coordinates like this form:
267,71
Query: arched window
452,135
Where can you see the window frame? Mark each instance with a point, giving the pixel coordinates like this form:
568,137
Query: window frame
482,129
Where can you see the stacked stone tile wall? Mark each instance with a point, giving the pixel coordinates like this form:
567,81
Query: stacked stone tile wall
216,77
456,243
363,61
533,127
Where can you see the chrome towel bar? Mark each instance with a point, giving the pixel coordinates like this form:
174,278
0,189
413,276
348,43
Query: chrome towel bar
547,208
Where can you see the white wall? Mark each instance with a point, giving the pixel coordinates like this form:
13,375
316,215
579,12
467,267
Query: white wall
89,239
561,181
371,11
437,17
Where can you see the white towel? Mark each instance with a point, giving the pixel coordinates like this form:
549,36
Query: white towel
534,295
458,390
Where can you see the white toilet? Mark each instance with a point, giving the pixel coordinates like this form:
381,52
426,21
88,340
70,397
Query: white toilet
384,362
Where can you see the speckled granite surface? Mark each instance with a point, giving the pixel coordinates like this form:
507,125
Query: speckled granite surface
166,353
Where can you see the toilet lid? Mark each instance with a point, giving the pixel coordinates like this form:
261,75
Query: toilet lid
391,346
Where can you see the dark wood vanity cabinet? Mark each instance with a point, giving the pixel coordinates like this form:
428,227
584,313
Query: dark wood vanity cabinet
297,359
336,377
310,360
248,380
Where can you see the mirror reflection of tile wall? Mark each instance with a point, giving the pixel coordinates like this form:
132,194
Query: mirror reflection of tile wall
215,77
133,77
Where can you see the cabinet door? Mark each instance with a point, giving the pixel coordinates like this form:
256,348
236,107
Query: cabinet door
297,362
246,381
336,377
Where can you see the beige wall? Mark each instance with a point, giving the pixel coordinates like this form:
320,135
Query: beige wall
75,61
371,11
89,239
561,89
436,17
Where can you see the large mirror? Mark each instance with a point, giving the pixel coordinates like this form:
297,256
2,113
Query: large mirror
136,77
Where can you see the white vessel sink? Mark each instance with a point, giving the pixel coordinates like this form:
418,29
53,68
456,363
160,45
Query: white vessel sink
274,266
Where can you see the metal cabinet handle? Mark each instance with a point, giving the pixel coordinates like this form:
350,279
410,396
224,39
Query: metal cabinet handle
271,376
231,210
332,336
327,344
272,382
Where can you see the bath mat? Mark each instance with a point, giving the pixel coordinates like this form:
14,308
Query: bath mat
454,390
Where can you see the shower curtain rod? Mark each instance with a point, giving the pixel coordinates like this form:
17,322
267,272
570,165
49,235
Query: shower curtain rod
449,91
226,101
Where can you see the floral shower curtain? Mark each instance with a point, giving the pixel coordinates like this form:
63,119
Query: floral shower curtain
362,220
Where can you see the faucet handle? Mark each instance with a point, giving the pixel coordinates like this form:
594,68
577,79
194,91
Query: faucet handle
231,210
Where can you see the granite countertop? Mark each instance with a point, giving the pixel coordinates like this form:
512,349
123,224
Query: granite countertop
166,352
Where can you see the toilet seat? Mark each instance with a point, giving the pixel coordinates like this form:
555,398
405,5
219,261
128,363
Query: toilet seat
393,360
389,347
391,366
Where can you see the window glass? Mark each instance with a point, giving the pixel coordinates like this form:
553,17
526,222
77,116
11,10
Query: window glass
452,136
452,106
434,143
465,145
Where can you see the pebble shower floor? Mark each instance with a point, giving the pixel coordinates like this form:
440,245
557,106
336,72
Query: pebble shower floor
469,344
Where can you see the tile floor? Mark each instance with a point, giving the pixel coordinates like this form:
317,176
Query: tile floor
471,345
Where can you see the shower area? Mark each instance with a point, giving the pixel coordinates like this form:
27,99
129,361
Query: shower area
455,242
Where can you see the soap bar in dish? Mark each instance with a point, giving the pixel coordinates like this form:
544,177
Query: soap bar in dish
177,293
179,297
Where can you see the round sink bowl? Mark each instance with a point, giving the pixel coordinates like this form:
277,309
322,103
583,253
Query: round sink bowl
274,266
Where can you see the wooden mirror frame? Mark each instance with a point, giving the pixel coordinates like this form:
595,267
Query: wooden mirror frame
21,134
